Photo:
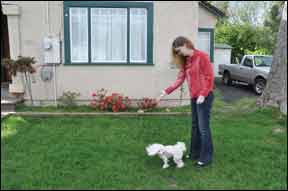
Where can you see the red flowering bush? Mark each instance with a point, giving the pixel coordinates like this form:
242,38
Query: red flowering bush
114,102
147,103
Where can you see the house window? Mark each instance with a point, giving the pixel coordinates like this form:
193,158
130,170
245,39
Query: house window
108,35
108,32
79,35
138,37
206,41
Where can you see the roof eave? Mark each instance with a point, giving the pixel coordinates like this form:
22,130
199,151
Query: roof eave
214,10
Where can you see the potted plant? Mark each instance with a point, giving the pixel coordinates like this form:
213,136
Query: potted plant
20,66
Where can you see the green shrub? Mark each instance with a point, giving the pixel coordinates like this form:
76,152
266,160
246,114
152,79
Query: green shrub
68,99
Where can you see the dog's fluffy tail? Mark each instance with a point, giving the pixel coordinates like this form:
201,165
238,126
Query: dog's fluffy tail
153,149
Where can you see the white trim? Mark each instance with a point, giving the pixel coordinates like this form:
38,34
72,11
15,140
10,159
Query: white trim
138,61
109,61
10,9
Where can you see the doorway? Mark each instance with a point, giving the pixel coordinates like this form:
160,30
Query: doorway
5,49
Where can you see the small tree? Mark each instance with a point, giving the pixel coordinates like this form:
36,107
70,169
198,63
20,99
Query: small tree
22,65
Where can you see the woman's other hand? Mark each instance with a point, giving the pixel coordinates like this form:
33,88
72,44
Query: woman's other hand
200,99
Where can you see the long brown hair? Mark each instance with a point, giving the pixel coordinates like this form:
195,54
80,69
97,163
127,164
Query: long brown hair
177,59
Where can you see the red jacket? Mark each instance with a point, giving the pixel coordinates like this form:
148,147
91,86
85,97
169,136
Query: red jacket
199,74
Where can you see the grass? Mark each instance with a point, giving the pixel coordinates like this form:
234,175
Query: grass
109,153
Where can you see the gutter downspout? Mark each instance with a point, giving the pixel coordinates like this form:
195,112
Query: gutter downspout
54,67
60,48
60,54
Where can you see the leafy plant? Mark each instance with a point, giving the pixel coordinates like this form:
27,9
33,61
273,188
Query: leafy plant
98,95
260,51
23,65
147,103
244,38
115,102
68,99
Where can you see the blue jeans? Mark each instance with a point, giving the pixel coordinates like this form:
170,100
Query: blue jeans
201,147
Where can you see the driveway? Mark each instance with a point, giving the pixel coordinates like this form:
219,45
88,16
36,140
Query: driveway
234,92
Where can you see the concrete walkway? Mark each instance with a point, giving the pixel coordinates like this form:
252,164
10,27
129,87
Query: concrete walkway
8,101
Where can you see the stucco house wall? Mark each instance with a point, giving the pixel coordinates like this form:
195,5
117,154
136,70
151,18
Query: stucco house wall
30,21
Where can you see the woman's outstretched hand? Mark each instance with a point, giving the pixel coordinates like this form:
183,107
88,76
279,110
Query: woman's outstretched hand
163,93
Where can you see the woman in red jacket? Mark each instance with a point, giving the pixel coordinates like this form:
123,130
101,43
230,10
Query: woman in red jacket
196,68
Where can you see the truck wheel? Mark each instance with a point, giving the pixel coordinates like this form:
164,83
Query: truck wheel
226,79
259,86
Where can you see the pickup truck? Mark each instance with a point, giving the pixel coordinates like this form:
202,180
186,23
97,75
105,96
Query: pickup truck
252,70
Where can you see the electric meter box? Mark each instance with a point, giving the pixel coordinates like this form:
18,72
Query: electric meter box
51,48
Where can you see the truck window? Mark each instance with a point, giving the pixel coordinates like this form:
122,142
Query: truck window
248,62
263,61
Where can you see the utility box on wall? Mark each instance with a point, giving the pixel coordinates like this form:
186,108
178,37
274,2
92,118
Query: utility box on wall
51,50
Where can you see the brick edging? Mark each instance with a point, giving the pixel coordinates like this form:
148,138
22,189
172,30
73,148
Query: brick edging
87,114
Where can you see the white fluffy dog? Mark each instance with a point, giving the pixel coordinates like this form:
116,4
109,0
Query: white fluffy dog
165,152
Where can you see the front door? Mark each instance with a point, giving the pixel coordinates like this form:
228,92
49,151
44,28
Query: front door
5,50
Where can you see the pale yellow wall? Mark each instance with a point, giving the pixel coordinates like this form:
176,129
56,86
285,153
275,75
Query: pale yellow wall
171,19
13,12
206,18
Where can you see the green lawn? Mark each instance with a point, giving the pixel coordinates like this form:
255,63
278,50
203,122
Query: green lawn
109,153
